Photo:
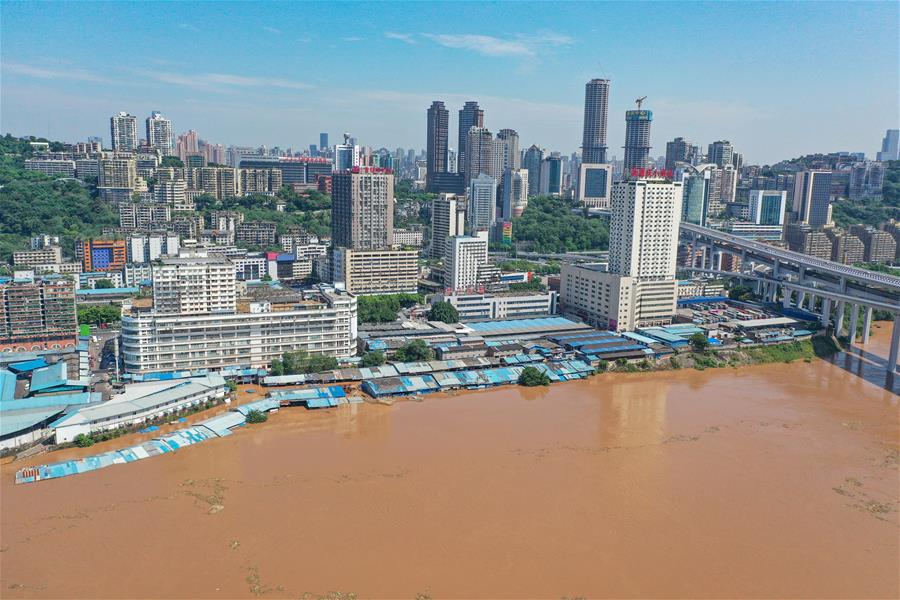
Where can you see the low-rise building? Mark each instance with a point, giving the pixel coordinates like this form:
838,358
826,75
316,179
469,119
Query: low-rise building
66,168
408,237
44,256
502,305
256,233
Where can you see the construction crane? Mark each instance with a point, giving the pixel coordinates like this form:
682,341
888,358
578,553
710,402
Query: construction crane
640,101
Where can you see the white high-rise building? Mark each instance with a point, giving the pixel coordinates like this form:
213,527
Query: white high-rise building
448,218
638,288
159,133
482,209
146,248
123,132
174,194
194,283
515,193
464,260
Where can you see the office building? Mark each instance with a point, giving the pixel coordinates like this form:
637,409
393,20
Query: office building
695,194
679,150
123,132
514,193
482,206
147,248
594,185
637,139
159,133
448,217
437,134
479,154
101,255
532,161
638,288
596,109
721,154
502,305
812,198
318,321
293,169
767,207
551,175
323,142
890,146
363,209
469,116
464,261
381,271
37,313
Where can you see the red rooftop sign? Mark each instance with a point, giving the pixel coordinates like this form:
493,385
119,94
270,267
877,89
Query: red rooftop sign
666,173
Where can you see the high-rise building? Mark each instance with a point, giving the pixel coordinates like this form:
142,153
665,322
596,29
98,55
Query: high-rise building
469,116
803,238
879,245
695,194
448,218
147,248
552,175
514,193
506,152
638,289
482,208
464,260
363,209
532,161
679,150
159,133
480,154
37,314
594,185
437,140
194,283
188,143
123,132
767,207
812,198
323,142
890,146
637,139
596,108
721,153
117,178
866,180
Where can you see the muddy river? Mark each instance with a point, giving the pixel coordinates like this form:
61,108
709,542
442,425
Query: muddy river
764,482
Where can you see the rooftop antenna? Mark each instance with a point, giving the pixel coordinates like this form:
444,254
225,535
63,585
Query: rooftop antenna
640,101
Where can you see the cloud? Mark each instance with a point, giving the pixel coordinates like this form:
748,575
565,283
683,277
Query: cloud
204,80
189,27
351,38
482,44
403,37
45,73
274,30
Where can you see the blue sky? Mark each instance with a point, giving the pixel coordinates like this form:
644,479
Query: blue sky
778,79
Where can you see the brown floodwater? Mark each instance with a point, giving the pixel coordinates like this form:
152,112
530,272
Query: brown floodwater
770,481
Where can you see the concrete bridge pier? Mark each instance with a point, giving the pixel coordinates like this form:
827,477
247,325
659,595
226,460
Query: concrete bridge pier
786,298
839,319
854,317
867,325
826,312
895,346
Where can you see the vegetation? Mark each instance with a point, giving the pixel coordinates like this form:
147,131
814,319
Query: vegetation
232,386
310,211
414,351
518,264
743,293
534,285
103,284
550,226
384,309
83,441
879,268
300,361
532,377
602,366
257,416
94,314
699,342
171,161
373,358
872,211
444,312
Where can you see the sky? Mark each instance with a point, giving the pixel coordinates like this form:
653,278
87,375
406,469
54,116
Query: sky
778,79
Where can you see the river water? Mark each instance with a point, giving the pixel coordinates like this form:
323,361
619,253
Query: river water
769,481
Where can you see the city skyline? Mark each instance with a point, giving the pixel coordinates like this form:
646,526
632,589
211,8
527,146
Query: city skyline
251,83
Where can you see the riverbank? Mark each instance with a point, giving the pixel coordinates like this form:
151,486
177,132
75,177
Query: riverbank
776,480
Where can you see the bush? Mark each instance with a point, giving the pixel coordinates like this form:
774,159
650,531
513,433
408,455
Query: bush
300,361
372,359
699,342
83,441
532,377
444,312
384,309
602,366
414,351
257,416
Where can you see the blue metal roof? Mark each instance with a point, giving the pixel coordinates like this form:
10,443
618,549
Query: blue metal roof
48,377
520,323
28,365
35,402
108,291
7,385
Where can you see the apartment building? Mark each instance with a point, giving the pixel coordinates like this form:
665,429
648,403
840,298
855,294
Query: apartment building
37,313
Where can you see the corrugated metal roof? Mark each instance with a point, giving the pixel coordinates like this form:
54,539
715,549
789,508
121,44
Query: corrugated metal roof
48,377
28,365
34,402
14,421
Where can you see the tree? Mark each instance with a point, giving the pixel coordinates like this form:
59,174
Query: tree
83,441
372,359
103,284
699,342
98,313
740,292
232,386
384,309
551,226
277,367
414,351
171,161
257,416
534,285
532,377
444,312
300,361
